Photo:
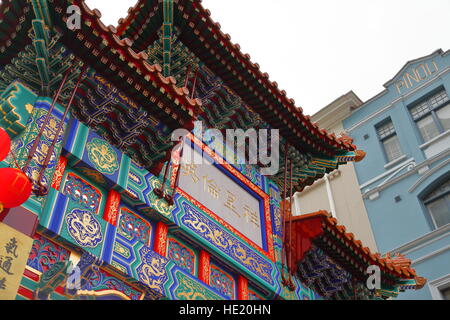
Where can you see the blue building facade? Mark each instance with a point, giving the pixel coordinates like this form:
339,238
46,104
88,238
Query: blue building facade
405,178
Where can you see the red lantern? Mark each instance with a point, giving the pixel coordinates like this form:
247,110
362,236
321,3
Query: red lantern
15,188
5,144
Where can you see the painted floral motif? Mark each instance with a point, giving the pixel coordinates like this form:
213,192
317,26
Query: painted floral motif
34,172
59,173
181,255
276,218
51,128
80,191
222,282
103,156
42,150
45,253
84,228
225,242
24,142
16,146
132,226
250,172
103,283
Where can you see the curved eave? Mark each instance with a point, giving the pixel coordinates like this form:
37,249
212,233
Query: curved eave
144,76
204,37
321,166
343,246
100,47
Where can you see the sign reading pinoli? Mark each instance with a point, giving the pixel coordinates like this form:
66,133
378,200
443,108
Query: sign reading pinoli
15,248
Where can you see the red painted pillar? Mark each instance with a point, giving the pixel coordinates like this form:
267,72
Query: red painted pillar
242,288
111,211
59,173
160,243
204,266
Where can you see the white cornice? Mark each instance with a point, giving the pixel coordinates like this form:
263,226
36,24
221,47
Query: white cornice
430,255
423,241
427,174
415,169
386,173
432,141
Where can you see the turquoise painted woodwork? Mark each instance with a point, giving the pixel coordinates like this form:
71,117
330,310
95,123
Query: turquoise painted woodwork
22,144
93,156
61,213
16,105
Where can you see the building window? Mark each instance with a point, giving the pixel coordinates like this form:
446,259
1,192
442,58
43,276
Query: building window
445,293
440,288
389,140
438,204
432,116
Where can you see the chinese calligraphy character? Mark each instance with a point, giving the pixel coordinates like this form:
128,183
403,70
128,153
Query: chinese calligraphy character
211,186
6,264
2,284
229,203
251,216
11,247
190,170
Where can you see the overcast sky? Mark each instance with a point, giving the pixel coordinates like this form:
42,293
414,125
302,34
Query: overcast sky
318,50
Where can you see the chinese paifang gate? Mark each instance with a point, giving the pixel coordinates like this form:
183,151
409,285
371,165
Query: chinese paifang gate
90,110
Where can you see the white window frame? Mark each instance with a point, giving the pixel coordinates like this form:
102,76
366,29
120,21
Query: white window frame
426,201
432,111
383,138
437,285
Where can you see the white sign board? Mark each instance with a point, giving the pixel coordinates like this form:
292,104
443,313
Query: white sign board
222,195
